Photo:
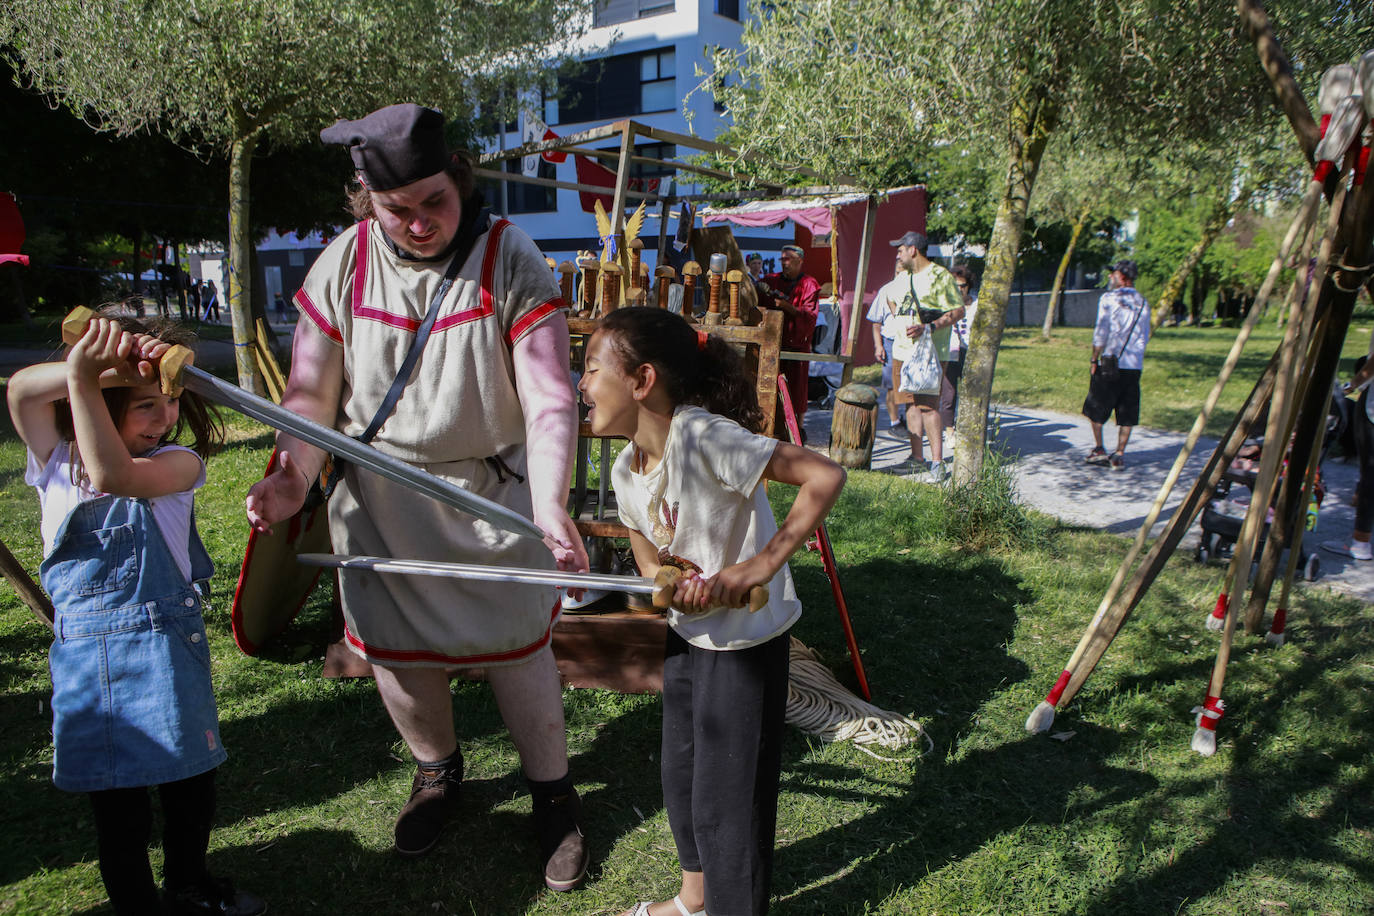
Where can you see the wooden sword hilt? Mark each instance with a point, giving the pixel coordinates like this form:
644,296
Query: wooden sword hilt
666,580
169,367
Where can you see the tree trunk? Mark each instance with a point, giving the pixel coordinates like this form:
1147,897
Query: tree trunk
238,263
1032,120
1058,289
1221,215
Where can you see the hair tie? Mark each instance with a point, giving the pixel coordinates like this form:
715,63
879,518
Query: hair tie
702,337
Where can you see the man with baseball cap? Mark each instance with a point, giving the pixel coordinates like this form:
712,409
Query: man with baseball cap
1119,339
930,304
482,399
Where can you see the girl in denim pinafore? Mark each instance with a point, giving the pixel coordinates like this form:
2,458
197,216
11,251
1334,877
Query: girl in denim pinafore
133,706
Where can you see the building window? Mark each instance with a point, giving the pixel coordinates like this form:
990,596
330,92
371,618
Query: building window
522,197
728,8
613,87
657,82
613,12
295,258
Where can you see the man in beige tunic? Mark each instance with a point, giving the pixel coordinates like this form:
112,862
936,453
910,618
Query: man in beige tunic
488,406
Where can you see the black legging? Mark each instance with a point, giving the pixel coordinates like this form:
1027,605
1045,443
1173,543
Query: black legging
124,825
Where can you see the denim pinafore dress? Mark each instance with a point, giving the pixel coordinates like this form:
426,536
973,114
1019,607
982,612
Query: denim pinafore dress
132,701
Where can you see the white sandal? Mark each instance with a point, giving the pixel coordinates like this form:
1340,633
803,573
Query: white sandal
642,908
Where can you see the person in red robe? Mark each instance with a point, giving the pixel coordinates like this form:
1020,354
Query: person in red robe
797,295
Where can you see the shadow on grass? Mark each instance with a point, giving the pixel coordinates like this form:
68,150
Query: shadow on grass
1284,803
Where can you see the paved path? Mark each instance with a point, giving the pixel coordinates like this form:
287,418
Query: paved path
1048,450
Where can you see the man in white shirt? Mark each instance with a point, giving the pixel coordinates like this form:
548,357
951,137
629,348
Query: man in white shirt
1119,339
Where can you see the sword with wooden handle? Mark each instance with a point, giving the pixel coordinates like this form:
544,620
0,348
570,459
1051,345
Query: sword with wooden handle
176,371
661,586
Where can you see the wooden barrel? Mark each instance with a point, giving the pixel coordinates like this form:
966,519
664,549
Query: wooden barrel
853,422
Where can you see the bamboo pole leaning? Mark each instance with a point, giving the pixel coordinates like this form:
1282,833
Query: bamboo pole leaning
1042,716
1281,419
1275,636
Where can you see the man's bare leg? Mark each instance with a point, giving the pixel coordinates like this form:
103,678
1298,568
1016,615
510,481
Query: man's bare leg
1123,435
530,698
1097,433
935,431
421,708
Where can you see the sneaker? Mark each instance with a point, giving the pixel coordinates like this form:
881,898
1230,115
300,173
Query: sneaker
937,473
212,896
1097,457
433,799
1118,461
562,845
1355,550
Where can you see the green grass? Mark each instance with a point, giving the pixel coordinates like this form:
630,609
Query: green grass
1120,818
1181,366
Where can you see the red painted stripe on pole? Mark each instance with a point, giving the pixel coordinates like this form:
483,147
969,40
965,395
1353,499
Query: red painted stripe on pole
1212,711
1361,163
1280,619
1053,697
1219,612
1323,170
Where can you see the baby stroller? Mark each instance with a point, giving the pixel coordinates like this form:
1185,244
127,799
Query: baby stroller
1224,514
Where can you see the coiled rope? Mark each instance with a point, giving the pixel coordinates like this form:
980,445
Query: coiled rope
820,705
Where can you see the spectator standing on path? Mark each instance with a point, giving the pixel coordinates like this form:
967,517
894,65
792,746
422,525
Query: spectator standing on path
882,314
490,408
755,264
1357,548
953,369
930,304
211,302
1119,339
798,296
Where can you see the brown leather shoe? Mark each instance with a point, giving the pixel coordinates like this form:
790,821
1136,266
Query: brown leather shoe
433,800
562,845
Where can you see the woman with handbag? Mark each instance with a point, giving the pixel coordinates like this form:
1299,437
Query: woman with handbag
1119,339
930,306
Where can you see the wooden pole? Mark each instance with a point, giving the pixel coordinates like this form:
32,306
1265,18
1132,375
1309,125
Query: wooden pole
665,277
24,586
734,278
856,309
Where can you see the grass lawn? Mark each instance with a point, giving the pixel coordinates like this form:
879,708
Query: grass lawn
1117,817
1181,365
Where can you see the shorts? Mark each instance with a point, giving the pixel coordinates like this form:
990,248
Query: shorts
906,397
1121,394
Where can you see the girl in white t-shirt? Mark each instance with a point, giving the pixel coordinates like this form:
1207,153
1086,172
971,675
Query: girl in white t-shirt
132,702
690,488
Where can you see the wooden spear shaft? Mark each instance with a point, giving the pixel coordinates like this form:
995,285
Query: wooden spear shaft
1304,218
1304,449
1102,635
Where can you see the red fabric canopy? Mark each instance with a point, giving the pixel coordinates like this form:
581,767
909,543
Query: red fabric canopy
11,230
898,210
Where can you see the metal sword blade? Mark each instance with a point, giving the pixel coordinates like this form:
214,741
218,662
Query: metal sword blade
639,585
331,440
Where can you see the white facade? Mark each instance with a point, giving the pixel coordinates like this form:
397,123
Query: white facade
647,53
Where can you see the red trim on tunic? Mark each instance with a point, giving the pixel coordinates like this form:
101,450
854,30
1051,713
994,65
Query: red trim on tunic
305,305
407,323
424,655
534,317
362,241
489,264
